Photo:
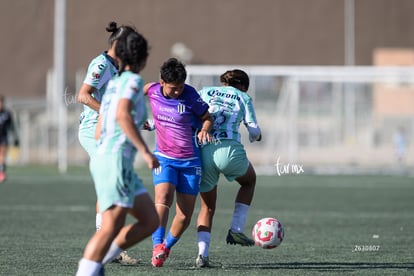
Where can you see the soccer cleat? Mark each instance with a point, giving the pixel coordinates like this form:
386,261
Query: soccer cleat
159,255
202,261
238,238
125,259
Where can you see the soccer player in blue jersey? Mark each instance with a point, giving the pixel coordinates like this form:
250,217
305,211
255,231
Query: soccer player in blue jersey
230,105
175,106
101,69
118,189
6,127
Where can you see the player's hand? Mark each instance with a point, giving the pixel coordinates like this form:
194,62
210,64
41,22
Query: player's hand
204,137
151,160
149,125
16,142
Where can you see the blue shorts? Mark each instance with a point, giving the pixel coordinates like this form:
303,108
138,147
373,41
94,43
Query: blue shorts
184,175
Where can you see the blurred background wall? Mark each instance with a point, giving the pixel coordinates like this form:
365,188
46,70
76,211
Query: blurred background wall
214,32
276,32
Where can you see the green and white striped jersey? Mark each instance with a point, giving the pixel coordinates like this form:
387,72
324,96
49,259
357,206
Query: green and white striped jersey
229,107
100,72
112,139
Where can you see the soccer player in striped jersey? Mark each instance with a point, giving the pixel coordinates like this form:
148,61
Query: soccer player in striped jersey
101,69
230,105
118,188
175,106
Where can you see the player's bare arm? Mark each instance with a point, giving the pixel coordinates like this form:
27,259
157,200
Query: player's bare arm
126,122
147,86
204,134
85,97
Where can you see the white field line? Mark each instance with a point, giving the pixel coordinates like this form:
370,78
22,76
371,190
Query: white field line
47,208
252,212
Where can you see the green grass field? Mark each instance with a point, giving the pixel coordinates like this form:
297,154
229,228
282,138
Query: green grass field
355,225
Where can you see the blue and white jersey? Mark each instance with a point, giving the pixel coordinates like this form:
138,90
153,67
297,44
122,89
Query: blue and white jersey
100,71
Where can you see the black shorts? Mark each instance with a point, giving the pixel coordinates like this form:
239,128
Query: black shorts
3,140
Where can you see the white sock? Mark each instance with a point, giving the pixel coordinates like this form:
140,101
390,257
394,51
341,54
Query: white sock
239,217
88,267
98,221
113,252
203,243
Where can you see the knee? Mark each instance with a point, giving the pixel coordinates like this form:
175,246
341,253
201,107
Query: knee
208,210
183,218
248,179
110,229
163,200
251,173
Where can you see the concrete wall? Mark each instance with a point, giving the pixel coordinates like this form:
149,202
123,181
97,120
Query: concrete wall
279,32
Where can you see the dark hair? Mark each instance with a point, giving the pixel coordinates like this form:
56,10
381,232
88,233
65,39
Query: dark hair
235,78
117,32
132,50
173,71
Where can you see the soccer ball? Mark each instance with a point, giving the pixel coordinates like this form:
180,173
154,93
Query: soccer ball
268,233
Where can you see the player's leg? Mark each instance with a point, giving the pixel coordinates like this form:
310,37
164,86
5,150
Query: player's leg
147,221
247,186
165,179
207,210
3,156
242,204
163,198
187,179
184,211
141,207
119,170
188,187
87,140
208,197
122,257
204,225
113,219
233,163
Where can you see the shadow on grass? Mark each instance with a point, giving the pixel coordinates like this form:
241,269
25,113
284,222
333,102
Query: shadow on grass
326,265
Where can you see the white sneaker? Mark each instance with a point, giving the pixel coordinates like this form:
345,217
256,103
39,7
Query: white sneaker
124,259
202,261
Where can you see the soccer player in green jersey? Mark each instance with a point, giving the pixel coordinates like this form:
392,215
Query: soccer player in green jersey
229,105
101,69
118,188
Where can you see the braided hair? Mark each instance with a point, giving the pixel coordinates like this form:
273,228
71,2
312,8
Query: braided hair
132,49
117,32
